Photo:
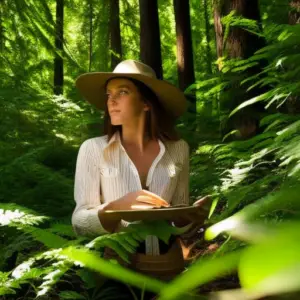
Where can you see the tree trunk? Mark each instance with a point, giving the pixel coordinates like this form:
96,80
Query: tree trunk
58,60
239,44
105,34
115,33
150,51
292,103
294,15
210,105
218,28
185,64
91,34
1,26
207,35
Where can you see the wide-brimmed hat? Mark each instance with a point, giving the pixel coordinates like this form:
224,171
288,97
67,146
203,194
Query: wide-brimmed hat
92,86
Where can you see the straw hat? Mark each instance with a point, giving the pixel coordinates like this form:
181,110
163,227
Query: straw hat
92,86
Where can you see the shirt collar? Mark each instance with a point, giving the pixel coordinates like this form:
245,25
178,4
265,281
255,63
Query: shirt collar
114,139
117,139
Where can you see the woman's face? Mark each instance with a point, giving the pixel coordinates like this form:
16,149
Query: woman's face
124,101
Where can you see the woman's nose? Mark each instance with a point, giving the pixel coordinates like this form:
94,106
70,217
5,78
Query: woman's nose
113,98
113,101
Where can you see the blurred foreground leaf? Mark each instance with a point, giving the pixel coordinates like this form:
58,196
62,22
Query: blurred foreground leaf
114,271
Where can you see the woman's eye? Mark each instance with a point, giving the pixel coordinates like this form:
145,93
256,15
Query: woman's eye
117,95
123,92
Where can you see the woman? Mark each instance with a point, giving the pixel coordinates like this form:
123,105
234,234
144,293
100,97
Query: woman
140,160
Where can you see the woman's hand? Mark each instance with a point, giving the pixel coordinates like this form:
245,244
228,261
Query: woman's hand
197,216
137,200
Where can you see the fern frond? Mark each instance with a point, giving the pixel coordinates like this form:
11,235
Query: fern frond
288,132
18,216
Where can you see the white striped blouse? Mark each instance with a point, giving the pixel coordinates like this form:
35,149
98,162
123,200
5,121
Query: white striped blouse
104,173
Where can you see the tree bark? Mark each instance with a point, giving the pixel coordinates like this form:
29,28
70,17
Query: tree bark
218,29
185,62
294,15
91,34
150,50
208,39
105,36
292,103
58,60
115,33
1,26
240,43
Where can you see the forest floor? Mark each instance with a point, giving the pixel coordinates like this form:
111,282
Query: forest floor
193,248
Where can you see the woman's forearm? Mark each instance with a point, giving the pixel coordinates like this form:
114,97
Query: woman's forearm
107,221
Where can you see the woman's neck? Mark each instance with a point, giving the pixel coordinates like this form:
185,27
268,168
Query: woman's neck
135,138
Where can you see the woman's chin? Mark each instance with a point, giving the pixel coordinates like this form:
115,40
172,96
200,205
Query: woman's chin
116,122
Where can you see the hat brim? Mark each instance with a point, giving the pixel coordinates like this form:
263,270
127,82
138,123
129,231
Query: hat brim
92,88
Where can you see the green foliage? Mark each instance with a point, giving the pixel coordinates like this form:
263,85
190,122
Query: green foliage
277,250
201,272
262,171
130,29
254,182
49,265
93,261
232,20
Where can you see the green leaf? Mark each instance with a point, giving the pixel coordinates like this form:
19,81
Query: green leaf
276,98
117,272
162,229
213,206
62,229
6,291
286,198
89,278
70,295
259,98
272,266
232,132
244,67
288,131
201,272
46,237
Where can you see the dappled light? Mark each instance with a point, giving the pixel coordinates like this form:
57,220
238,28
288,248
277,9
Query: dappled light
237,63
18,218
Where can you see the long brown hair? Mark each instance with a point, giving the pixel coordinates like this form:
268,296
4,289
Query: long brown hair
159,123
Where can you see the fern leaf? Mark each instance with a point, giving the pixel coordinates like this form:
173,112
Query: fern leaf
70,295
46,237
94,262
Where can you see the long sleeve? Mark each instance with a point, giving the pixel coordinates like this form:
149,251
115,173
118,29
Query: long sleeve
85,218
181,194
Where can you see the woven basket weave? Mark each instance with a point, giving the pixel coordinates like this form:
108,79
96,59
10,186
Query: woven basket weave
165,266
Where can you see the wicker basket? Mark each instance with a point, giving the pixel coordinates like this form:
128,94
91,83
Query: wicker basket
165,266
